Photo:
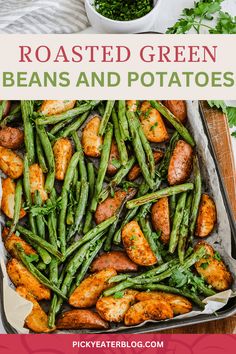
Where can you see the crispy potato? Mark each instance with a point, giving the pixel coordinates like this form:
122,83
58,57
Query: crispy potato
180,163
114,155
132,105
148,310
11,163
20,276
206,216
114,309
8,198
179,304
77,319
62,150
6,109
109,207
161,218
213,269
10,242
36,178
37,320
91,141
114,259
178,108
136,170
50,108
88,292
152,124
11,138
136,245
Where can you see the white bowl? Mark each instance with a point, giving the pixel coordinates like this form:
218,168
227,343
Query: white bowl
105,25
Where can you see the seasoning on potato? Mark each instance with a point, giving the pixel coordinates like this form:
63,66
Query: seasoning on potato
109,207
91,140
178,108
36,177
114,259
132,105
63,151
160,215
10,163
206,216
181,161
11,138
8,198
81,319
113,159
50,108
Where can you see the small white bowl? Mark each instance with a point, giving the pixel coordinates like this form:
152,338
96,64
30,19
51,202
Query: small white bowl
105,25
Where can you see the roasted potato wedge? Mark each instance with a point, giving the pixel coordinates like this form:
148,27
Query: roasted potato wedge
178,108
10,242
179,304
37,320
11,138
113,309
148,310
11,163
20,276
206,216
161,218
49,108
88,292
212,269
78,319
136,245
63,151
109,207
8,198
91,141
132,105
180,163
36,178
114,259
114,155
6,108
136,170
152,124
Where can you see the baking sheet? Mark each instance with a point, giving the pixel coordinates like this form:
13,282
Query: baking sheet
220,238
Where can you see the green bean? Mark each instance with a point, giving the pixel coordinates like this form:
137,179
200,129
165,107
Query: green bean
46,145
196,197
147,231
101,109
119,141
40,155
183,232
202,288
74,125
123,124
144,209
90,235
17,206
27,108
172,205
178,217
102,167
106,117
165,192
3,105
82,167
52,235
175,122
14,114
91,180
77,191
164,164
39,217
53,307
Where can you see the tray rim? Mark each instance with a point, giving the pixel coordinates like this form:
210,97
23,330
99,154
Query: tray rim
161,326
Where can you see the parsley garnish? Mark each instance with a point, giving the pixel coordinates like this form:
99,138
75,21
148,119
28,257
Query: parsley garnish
118,295
204,265
217,256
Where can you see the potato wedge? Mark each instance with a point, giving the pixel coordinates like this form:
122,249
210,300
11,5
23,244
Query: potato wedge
152,124
50,108
136,170
91,141
213,269
88,292
11,138
63,151
8,198
178,108
179,304
37,320
114,259
148,310
109,207
114,155
6,108
20,276
136,245
78,319
11,163
160,215
206,216
132,105
180,163
36,178
10,242
113,309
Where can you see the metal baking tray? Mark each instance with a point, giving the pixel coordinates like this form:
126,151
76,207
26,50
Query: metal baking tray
227,311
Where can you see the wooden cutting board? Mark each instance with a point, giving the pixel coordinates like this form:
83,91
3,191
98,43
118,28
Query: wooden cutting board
219,130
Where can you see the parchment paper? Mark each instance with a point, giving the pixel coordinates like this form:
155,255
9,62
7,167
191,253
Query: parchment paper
17,308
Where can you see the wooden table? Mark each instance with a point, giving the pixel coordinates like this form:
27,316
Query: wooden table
221,139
